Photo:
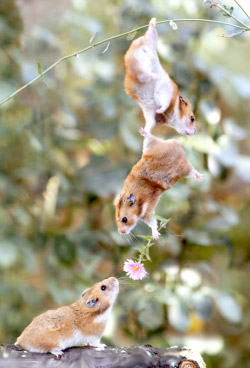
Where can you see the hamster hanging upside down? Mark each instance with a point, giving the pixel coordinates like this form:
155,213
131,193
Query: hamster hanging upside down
82,322
150,85
161,165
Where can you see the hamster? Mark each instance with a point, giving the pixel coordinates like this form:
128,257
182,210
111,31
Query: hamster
82,322
162,164
150,85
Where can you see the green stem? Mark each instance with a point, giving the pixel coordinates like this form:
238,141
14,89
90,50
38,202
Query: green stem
142,253
244,11
110,39
232,16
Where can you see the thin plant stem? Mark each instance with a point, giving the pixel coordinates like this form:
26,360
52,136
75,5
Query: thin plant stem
244,11
142,251
232,16
74,54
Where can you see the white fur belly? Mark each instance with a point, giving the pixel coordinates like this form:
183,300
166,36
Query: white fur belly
79,339
146,93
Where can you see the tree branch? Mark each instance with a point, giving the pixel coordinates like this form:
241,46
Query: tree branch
143,356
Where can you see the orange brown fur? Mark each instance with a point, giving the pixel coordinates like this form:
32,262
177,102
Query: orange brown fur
162,164
48,330
150,85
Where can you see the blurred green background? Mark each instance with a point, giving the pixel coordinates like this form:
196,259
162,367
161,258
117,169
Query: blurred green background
67,144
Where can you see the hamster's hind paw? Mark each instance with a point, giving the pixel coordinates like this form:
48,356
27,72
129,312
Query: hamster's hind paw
153,22
57,353
143,132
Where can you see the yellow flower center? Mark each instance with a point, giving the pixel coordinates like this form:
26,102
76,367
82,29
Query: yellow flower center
136,268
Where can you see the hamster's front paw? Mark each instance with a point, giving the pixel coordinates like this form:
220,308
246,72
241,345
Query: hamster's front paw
155,234
153,22
101,346
143,132
198,176
161,110
57,353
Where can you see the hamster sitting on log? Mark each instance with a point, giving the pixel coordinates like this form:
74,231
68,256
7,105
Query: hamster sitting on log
150,85
162,164
82,322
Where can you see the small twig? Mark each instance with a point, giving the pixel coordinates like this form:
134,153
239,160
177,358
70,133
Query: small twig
244,11
113,38
143,251
232,16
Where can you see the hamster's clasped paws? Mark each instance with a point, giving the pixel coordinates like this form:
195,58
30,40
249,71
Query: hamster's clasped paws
161,110
153,22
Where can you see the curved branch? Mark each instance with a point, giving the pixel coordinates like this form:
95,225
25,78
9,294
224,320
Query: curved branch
244,11
232,16
39,76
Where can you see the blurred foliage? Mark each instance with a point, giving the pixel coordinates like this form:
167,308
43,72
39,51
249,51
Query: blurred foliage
66,147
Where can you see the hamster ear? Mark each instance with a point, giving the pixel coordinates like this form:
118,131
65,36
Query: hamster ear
131,198
84,292
182,100
117,199
91,303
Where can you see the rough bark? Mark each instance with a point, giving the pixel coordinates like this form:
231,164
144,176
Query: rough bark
88,357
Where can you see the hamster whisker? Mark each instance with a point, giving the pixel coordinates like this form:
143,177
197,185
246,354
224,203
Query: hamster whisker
123,282
125,238
129,238
126,285
133,235
122,287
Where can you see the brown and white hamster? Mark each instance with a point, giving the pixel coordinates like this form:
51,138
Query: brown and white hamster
82,322
150,85
163,162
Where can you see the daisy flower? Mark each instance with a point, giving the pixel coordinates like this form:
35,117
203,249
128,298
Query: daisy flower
135,270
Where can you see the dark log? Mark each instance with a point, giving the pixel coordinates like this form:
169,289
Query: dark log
146,356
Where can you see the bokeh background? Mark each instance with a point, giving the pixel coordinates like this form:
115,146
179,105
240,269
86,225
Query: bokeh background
66,146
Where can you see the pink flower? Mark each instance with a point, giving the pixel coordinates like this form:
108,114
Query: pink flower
135,270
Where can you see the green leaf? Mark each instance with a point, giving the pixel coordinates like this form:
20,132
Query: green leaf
93,37
39,68
131,36
146,237
157,217
40,72
106,48
147,255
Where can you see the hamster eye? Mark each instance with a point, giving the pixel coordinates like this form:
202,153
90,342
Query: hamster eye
103,287
124,219
192,118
